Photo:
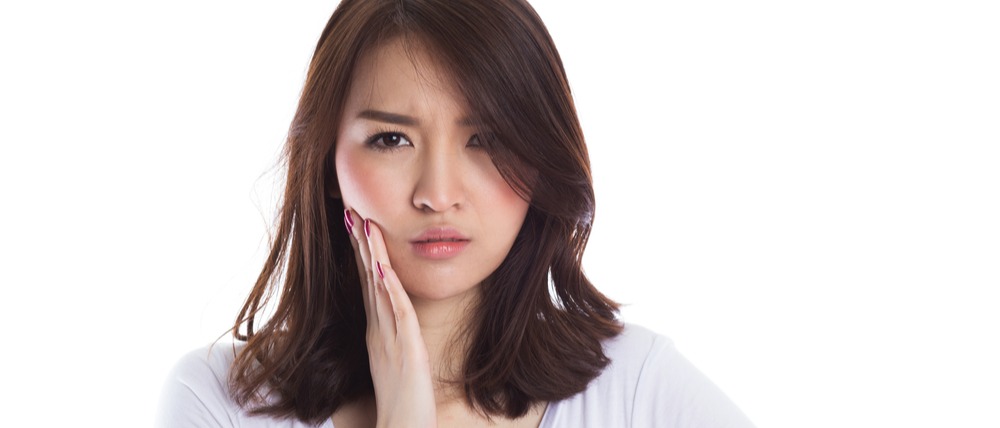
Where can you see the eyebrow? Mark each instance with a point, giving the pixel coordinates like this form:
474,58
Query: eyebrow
400,119
393,118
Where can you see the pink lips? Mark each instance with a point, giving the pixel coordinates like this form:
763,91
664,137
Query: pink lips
439,243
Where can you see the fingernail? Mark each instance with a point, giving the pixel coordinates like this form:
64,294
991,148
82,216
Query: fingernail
348,221
379,267
368,230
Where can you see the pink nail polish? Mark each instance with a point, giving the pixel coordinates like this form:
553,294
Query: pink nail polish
379,267
348,221
368,230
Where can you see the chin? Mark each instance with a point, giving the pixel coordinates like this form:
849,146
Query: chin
431,287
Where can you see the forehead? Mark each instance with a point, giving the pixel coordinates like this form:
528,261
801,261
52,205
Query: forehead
403,75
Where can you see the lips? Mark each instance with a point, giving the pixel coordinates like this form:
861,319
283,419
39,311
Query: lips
440,234
439,243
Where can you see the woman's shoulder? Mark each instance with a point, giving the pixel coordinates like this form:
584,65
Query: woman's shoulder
647,383
634,344
639,353
196,393
208,365
636,354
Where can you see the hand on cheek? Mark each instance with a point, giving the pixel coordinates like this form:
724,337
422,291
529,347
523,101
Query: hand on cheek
404,392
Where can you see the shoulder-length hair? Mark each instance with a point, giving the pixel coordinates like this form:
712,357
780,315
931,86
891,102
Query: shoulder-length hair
538,328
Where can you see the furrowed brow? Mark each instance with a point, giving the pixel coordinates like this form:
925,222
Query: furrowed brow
400,119
384,116
469,122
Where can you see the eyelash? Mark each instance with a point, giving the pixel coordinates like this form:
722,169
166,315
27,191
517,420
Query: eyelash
373,138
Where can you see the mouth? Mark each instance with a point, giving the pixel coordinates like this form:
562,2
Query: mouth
440,234
439,243
427,241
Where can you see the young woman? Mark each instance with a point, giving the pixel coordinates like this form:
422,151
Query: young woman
426,267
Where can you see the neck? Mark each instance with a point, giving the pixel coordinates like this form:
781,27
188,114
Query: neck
442,324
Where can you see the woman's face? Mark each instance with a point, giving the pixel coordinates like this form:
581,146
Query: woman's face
408,158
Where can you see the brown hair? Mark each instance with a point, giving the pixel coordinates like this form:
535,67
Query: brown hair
526,345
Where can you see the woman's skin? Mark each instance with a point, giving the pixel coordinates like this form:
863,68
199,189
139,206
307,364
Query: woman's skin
431,218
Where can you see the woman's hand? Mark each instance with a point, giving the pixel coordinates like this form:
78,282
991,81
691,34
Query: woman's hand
404,393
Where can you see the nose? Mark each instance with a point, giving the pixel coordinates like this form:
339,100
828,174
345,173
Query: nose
440,185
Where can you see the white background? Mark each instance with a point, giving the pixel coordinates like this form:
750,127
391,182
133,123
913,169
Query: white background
803,195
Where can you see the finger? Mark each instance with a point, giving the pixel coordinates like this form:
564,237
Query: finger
362,257
380,258
402,308
358,233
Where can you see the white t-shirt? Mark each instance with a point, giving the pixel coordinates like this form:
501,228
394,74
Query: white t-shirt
647,384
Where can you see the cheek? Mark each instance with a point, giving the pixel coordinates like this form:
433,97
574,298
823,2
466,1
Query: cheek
507,207
502,194
362,186
510,202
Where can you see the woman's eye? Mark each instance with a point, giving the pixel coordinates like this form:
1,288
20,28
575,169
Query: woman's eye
388,140
478,140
